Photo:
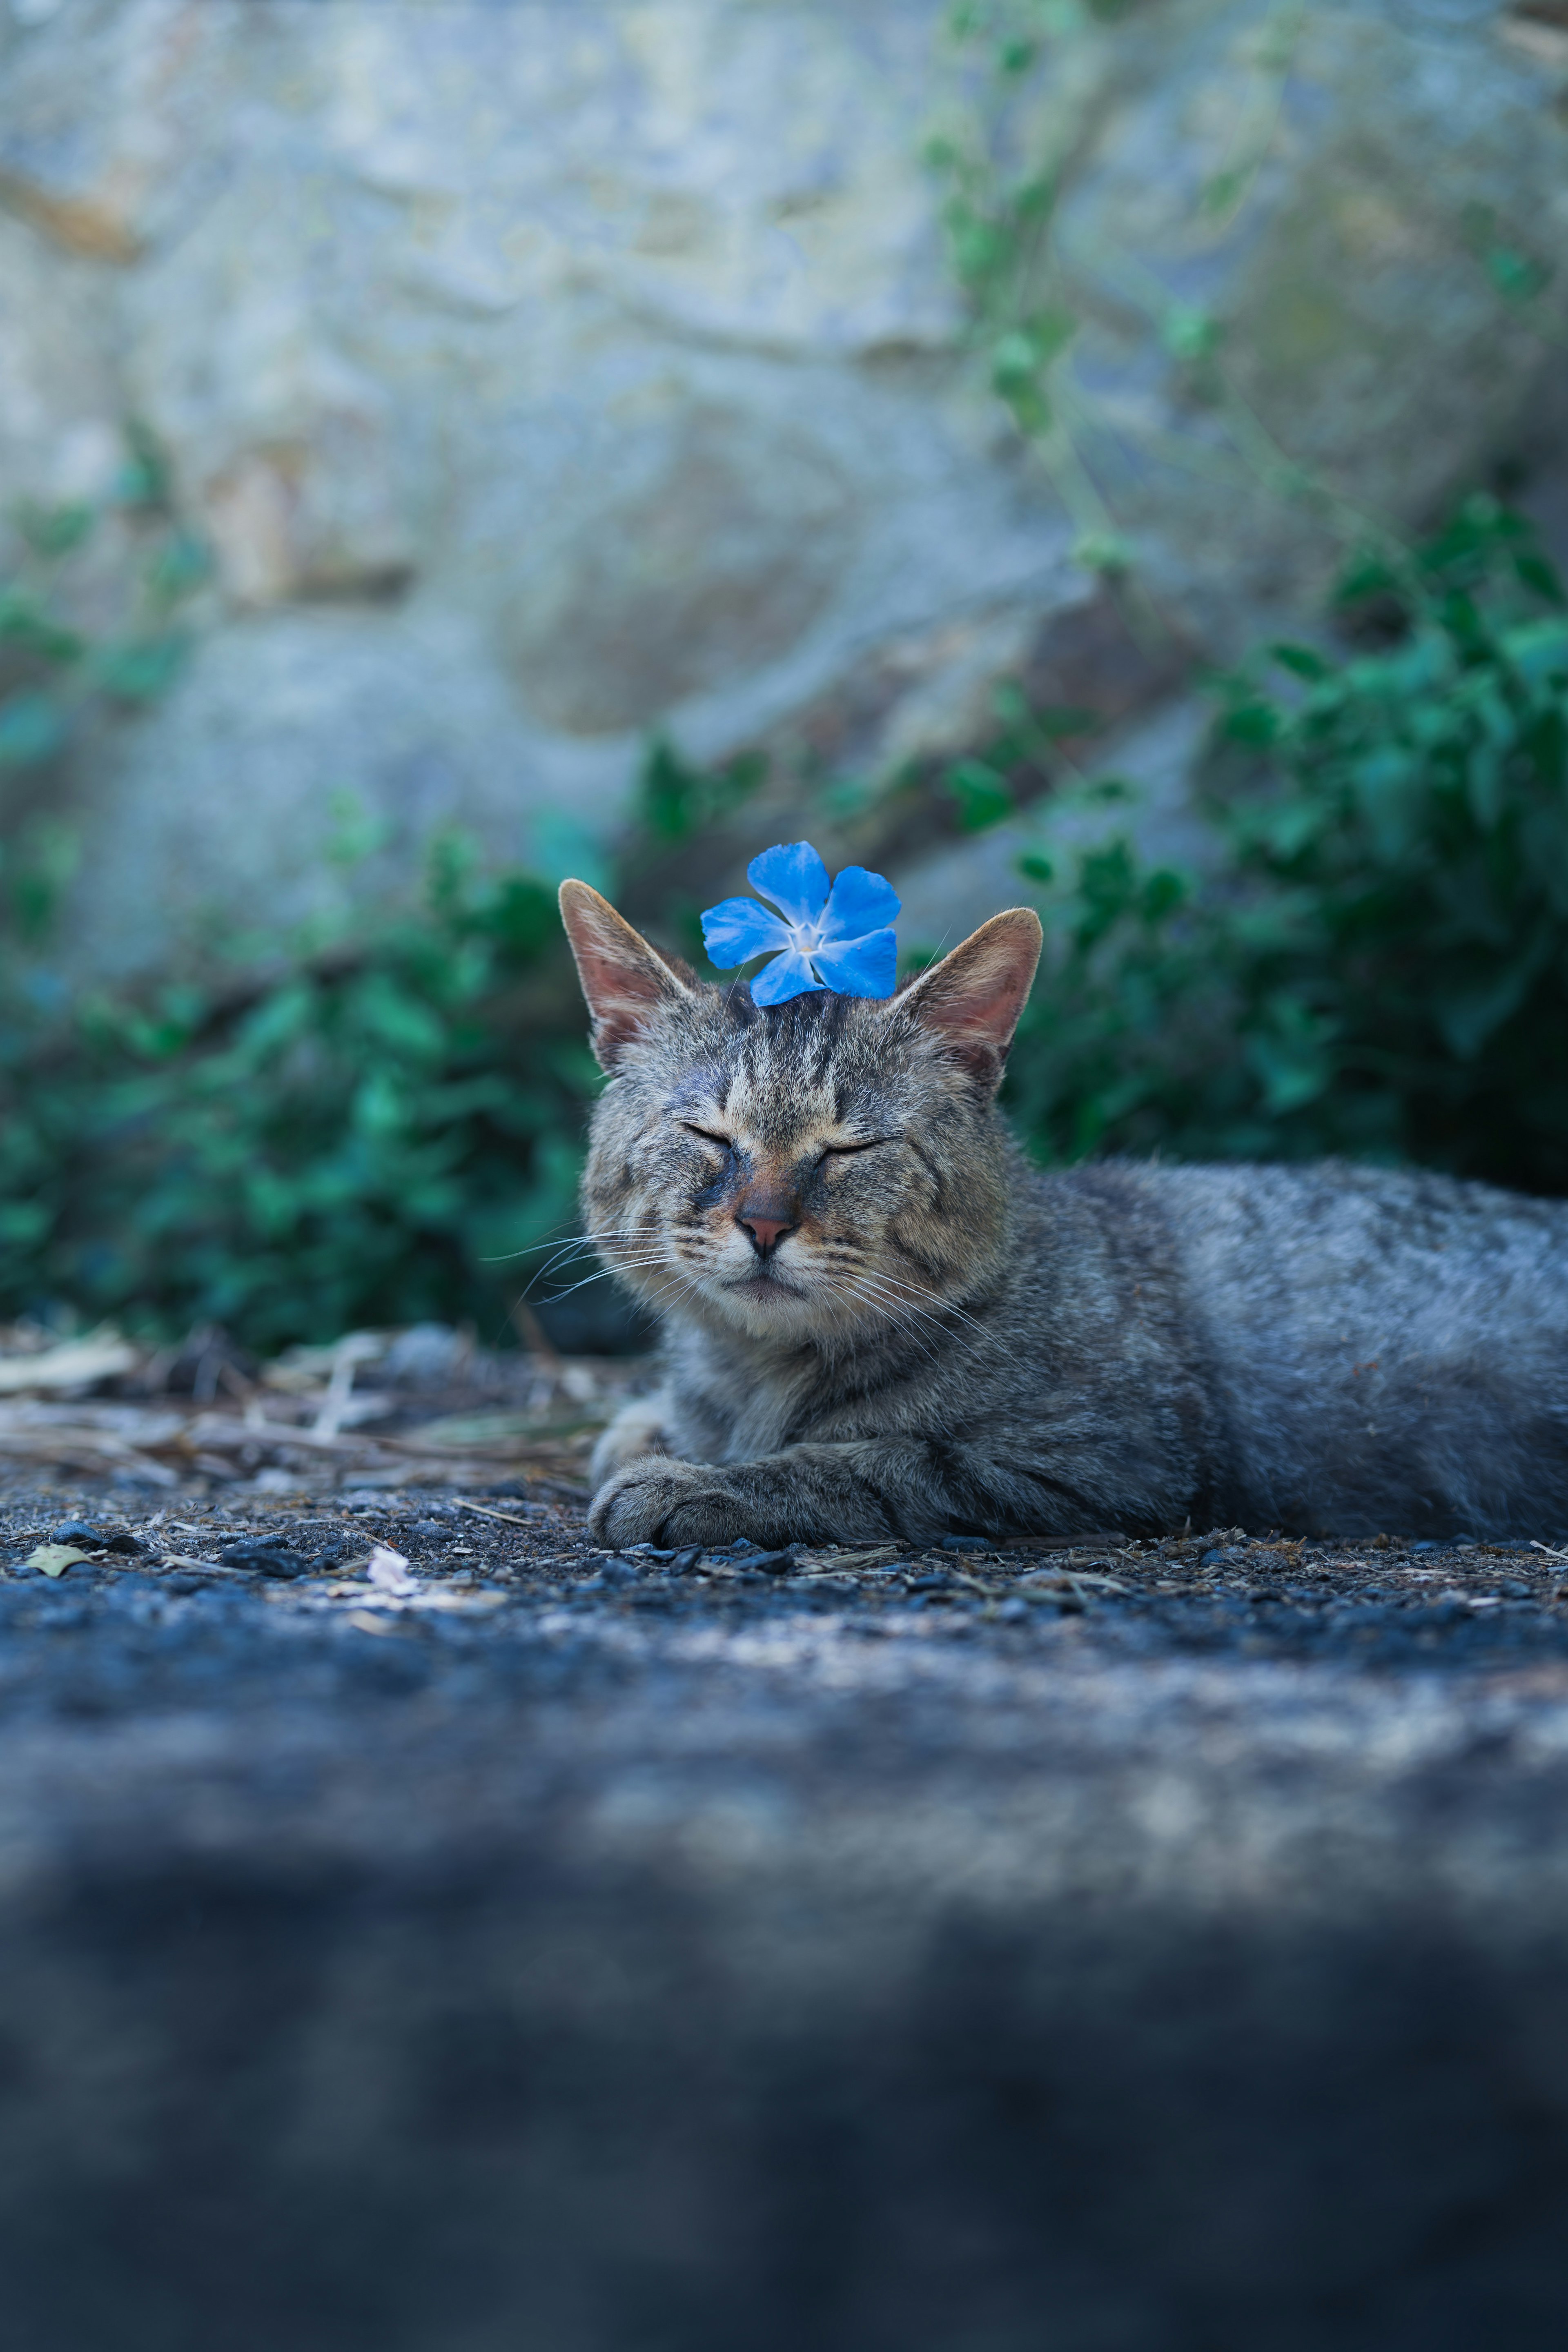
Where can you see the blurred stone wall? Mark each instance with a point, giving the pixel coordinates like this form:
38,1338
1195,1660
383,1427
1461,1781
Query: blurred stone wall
541,372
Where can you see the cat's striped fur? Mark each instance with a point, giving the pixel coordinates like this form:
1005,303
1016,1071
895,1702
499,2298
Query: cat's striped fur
878,1322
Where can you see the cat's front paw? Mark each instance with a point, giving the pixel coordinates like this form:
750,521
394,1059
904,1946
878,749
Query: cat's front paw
657,1500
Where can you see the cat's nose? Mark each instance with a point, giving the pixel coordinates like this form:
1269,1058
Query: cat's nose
766,1228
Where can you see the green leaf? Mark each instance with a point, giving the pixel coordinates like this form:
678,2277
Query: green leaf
1162,893
521,914
24,1223
1065,720
357,834
1537,573
1103,550
1220,191
983,796
1367,573
1189,333
1517,275
54,531
139,670
1468,1016
177,567
1257,724
31,629
1302,660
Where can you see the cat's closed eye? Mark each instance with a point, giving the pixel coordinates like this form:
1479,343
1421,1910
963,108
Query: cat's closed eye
842,1150
708,1136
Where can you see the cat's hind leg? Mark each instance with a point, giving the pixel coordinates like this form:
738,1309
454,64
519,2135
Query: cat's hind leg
637,1428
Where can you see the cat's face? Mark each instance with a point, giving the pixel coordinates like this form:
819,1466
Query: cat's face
804,1172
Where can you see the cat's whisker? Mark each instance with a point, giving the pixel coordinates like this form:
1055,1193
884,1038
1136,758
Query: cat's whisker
895,1313
604,1273
870,1283
949,1308
903,1314
899,1324
555,1242
887,1287
616,1265
901,1318
580,1246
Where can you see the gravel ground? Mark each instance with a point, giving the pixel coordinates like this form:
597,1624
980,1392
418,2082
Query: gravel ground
1096,1948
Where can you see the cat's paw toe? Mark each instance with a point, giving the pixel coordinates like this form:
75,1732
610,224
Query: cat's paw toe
656,1500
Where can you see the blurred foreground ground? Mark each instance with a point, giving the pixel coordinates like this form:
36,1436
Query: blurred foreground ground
1125,1945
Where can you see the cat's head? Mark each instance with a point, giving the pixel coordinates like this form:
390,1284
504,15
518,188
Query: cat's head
809,1171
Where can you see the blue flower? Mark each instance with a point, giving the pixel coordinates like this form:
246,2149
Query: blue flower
840,939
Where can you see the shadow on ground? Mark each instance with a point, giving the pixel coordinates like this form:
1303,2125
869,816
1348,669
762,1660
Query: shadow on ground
1132,1946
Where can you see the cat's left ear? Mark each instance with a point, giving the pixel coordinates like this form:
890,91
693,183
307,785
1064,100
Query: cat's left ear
627,982
973,998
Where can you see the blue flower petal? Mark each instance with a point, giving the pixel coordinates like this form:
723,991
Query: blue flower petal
794,878
864,967
737,928
786,976
861,902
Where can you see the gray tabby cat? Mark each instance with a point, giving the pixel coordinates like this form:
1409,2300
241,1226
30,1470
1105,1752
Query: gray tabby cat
879,1322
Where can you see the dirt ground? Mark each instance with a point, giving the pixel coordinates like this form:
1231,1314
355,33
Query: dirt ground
422,1930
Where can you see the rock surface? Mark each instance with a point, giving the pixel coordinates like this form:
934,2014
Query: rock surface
540,372
873,1952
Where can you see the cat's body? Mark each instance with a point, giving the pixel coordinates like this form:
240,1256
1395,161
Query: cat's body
1327,1349
929,1337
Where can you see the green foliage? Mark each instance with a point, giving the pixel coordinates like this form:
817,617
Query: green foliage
1032,75
1373,960
52,666
82,639
383,1129
676,801
1377,960
363,1139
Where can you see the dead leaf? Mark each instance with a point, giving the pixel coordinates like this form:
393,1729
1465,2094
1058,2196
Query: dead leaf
493,1433
53,1559
74,1363
836,1563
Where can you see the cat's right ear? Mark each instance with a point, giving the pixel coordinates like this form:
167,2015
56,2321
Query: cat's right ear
627,982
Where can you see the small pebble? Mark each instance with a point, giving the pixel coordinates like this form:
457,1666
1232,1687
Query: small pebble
80,1532
614,1568
264,1559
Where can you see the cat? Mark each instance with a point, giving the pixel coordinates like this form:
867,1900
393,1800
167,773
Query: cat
881,1325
